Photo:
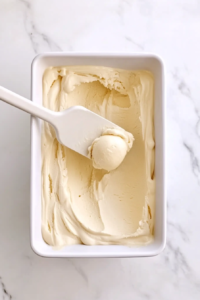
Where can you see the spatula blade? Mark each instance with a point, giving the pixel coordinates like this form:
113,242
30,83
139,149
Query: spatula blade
78,127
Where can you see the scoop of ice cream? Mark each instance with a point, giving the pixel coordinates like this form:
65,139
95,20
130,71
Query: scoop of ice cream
109,150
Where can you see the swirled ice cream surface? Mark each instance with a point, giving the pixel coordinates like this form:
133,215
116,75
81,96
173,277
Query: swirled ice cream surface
84,204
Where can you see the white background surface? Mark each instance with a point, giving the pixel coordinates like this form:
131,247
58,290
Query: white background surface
170,29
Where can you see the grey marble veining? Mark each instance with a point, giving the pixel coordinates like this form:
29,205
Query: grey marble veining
4,294
167,28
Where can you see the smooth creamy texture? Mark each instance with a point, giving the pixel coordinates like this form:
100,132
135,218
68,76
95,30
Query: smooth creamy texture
109,150
81,204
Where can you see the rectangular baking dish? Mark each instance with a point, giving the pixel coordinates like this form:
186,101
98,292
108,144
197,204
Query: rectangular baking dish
123,61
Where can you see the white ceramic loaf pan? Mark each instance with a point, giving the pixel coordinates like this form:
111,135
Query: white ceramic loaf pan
124,61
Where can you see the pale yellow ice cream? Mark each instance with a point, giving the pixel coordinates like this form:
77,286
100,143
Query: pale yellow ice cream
109,150
82,200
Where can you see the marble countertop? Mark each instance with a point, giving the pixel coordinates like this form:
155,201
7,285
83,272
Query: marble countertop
167,28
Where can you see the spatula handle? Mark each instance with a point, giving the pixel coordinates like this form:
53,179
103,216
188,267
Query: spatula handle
27,105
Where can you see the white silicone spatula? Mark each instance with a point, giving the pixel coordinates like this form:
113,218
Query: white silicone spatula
76,127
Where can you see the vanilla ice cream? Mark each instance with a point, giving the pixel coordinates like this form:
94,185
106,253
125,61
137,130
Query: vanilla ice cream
109,198
109,150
